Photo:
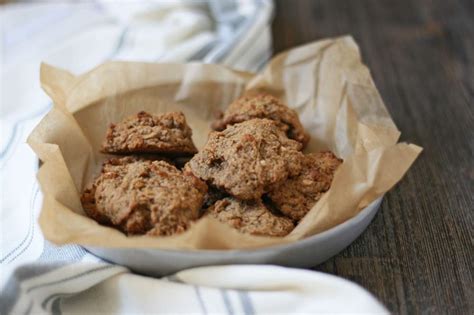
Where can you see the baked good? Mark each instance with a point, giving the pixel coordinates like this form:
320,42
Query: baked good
250,217
259,181
145,133
213,194
296,196
247,159
88,203
263,106
141,196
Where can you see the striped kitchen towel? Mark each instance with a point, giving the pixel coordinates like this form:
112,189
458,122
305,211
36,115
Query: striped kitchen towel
246,289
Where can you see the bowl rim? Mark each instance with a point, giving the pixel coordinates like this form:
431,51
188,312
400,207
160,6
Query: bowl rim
358,218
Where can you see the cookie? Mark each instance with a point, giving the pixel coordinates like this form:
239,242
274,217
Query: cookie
296,196
263,106
144,196
213,194
250,217
88,203
145,133
247,159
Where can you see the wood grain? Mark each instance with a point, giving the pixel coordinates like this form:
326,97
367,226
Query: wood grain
417,255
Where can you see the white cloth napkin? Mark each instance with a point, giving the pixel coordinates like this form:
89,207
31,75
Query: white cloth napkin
38,277
246,289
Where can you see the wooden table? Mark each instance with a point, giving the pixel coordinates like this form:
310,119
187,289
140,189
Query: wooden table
417,255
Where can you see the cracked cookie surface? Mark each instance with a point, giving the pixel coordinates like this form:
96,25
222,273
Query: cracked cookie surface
141,196
296,196
247,159
145,133
263,106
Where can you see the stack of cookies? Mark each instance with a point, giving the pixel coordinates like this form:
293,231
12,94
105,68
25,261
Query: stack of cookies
145,192
251,174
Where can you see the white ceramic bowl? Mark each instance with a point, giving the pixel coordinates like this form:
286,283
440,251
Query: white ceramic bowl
306,253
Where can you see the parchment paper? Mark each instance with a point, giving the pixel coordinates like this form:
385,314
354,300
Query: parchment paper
325,82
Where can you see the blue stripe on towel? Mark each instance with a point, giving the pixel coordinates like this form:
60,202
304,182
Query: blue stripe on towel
228,305
29,236
17,125
246,303
55,309
84,273
12,287
56,298
199,298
